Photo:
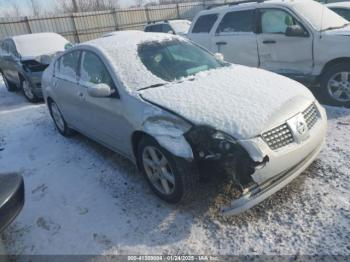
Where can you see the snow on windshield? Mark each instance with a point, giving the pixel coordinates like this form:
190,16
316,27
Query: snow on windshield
318,15
33,45
180,26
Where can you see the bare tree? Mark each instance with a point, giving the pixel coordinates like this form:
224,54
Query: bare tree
35,7
71,6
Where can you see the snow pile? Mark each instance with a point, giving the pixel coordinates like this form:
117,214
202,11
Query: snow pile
33,45
237,100
82,198
121,50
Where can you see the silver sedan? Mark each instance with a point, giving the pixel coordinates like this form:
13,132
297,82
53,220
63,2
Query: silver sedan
179,112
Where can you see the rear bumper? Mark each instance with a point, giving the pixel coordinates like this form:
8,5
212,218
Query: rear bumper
260,192
11,198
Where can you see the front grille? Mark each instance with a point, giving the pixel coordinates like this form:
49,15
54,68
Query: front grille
311,115
282,135
278,137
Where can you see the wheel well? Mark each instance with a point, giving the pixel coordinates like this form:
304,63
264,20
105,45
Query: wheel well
135,140
342,60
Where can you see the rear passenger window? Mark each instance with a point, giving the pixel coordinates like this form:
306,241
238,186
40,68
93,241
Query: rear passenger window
154,28
241,21
205,23
68,66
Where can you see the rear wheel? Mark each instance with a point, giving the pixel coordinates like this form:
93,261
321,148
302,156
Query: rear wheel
335,85
28,91
59,121
11,87
171,178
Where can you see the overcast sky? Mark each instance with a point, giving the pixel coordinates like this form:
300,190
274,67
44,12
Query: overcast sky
45,4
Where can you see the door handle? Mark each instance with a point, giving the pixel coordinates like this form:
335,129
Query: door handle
221,43
269,42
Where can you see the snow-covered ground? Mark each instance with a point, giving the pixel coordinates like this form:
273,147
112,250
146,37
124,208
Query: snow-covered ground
82,198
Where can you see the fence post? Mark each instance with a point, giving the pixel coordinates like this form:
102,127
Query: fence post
147,14
177,11
115,18
75,28
28,25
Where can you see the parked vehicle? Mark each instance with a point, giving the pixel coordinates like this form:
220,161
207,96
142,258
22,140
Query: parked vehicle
11,198
176,27
174,109
341,8
23,59
289,37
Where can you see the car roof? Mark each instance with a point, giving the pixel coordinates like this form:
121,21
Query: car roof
250,5
340,5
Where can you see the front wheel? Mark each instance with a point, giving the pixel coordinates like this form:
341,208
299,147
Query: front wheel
28,92
59,121
335,85
9,86
171,178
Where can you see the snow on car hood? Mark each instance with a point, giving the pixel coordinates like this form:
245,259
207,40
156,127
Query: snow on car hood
237,100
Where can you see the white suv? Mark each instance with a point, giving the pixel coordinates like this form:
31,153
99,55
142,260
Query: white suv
301,39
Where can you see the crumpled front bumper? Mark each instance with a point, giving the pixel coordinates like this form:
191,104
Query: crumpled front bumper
283,166
258,193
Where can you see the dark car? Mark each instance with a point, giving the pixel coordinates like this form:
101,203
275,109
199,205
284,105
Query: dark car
23,59
11,198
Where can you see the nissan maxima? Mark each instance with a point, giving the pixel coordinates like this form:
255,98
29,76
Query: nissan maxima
176,110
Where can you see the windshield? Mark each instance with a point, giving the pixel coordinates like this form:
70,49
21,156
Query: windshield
180,26
174,60
319,16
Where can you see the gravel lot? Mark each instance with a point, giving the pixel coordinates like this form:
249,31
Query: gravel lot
82,198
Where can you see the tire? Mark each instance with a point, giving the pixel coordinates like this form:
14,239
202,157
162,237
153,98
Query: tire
334,81
11,87
27,88
59,121
184,175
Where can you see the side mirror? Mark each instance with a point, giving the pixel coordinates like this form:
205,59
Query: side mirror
219,57
100,90
295,31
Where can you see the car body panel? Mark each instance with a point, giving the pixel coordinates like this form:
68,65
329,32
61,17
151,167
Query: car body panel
11,198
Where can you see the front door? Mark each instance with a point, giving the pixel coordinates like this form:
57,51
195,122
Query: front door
280,53
235,38
103,116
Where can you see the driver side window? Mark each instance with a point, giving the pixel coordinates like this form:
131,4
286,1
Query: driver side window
274,21
93,71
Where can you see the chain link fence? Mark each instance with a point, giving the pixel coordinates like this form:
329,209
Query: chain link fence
80,27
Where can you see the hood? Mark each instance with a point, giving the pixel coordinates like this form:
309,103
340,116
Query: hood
238,100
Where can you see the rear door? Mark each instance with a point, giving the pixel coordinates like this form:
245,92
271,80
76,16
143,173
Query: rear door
235,37
280,53
65,84
202,29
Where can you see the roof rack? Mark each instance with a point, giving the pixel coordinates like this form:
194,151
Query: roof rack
235,3
245,2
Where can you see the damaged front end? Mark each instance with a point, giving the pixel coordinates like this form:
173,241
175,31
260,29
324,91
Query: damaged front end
217,152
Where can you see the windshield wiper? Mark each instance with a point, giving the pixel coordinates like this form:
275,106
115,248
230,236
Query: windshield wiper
151,86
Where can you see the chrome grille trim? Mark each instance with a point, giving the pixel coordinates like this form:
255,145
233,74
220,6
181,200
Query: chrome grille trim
278,137
311,115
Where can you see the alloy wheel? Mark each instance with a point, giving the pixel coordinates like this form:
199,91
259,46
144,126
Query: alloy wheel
158,170
27,89
57,116
339,86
